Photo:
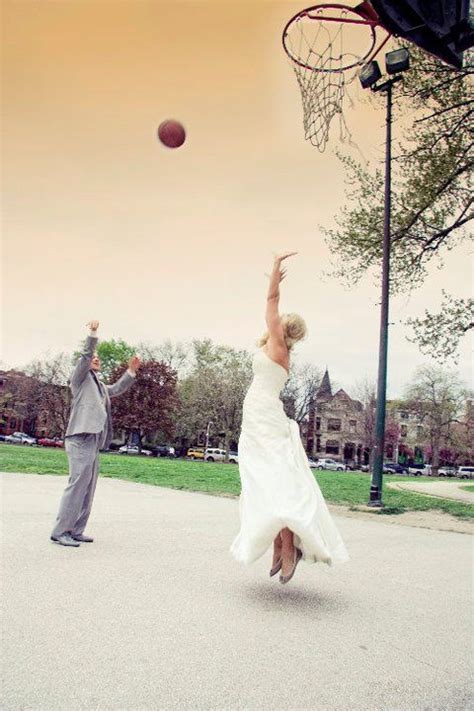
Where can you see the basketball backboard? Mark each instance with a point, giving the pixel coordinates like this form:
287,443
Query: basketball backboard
444,28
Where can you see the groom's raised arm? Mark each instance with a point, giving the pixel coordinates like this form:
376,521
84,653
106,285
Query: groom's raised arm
127,378
83,364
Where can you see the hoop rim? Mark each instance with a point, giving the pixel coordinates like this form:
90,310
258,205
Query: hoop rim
368,17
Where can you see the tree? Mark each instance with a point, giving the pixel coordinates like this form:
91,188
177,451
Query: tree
438,334
366,394
392,436
54,396
301,389
7,404
437,397
20,400
214,391
112,354
176,355
462,437
150,405
432,199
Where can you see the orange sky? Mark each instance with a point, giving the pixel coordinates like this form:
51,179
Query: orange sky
100,221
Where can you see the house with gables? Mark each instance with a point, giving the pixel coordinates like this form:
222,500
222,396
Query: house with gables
335,426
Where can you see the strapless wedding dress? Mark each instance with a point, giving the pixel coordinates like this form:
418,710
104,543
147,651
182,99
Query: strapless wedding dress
278,487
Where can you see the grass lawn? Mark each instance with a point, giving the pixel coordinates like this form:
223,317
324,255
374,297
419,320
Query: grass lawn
351,488
468,487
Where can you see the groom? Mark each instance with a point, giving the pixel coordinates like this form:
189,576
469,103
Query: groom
89,430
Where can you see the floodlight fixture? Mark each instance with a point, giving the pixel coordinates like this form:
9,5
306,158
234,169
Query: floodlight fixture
397,61
369,74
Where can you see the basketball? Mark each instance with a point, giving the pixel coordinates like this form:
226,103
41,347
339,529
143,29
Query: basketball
171,133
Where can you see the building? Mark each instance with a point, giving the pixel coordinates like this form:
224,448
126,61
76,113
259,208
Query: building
15,412
413,445
334,426
408,446
22,405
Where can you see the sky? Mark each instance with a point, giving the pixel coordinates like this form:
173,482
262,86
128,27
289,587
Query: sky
102,222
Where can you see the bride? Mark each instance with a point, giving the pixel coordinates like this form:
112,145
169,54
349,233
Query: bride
280,500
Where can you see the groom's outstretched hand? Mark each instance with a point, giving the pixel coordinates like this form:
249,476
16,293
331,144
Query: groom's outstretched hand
93,325
134,363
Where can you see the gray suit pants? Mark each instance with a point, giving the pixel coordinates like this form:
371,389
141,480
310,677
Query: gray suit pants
76,503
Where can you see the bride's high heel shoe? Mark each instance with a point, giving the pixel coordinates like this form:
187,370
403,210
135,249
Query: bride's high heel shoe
286,578
276,568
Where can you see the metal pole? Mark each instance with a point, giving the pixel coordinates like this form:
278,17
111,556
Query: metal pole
377,464
208,428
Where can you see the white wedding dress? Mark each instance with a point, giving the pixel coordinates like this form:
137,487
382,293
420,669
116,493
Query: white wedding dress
278,487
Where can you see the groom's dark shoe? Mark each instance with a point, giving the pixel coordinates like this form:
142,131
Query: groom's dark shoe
65,540
82,538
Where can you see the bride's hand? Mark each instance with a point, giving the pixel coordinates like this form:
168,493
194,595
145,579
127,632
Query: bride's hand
279,258
278,274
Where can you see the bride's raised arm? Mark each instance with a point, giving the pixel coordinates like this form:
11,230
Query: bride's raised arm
276,336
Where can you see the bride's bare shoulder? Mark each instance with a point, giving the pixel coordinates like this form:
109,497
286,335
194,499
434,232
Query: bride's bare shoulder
281,358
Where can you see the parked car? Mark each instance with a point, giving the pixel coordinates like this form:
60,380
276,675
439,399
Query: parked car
312,463
394,468
195,452
465,472
447,471
133,449
163,450
420,469
331,464
364,467
212,454
50,442
20,438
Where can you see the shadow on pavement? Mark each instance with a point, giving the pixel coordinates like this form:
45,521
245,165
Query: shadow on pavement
277,596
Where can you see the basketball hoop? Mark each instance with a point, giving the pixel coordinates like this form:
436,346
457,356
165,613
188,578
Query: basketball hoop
315,41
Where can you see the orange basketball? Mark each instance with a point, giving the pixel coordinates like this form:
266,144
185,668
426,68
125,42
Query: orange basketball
171,133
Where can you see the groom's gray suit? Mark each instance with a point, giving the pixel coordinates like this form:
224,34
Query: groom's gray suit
89,430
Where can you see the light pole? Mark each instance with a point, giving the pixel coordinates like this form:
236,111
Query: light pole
395,62
208,428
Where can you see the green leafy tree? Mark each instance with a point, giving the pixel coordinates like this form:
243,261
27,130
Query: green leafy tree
112,354
438,334
432,198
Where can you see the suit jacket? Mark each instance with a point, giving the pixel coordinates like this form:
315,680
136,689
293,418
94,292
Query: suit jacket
90,407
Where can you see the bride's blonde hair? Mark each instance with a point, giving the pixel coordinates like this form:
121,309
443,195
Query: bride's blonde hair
294,330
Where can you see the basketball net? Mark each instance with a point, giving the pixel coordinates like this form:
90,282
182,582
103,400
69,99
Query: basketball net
315,41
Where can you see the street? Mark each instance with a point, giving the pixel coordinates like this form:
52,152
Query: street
155,614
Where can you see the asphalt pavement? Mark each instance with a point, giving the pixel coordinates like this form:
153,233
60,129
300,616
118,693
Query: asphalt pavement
155,614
